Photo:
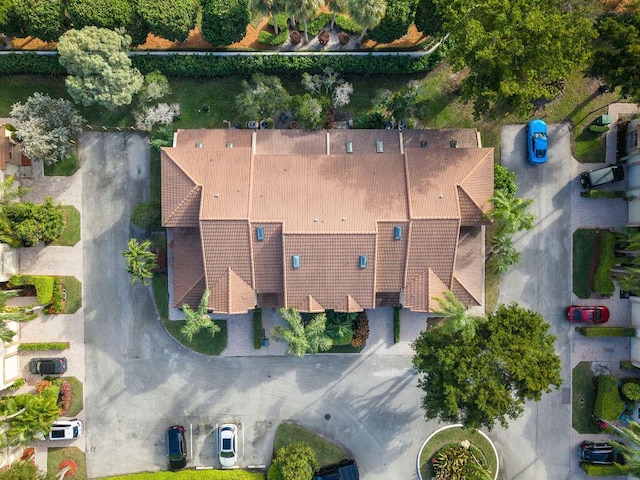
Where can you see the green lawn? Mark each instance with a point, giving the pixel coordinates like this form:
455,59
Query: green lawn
160,288
76,397
71,234
326,452
584,394
451,435
55,456
64,168
584,250
73,286
202,341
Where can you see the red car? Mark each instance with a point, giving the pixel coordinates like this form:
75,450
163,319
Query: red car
579,314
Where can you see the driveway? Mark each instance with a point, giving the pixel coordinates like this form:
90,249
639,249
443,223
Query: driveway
139,380
538,445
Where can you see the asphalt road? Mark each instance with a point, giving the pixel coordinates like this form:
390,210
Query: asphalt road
538,445
139,380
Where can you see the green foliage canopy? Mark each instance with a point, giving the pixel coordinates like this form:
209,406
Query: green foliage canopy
99,68
225,21
296,461
262,97
487,378
43,19
170,19
397,18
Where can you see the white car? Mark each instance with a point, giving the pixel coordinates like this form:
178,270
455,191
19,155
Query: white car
228,445
66,429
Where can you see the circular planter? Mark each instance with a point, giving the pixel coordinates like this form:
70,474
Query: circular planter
459,426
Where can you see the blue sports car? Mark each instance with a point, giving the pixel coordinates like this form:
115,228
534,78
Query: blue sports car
536,142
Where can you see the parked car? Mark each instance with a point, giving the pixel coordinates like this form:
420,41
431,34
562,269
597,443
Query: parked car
176,447
537,142
228,445
601,176
48,366
345,470
601,453
591,314
66,429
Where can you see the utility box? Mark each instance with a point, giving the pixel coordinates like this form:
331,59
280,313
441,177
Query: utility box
603,120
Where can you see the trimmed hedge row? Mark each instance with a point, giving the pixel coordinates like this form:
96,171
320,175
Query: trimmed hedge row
396,324
608,404
606,331
257,328
314,27
272,39
43,284
603,470
43,346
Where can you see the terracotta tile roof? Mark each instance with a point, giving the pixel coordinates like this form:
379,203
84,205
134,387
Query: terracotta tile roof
327,198
421,293
469,267
188,268
310,305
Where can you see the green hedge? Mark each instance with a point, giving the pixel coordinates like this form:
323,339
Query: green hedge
608,405
315,26
191,475
347,24
18,63
271,39
396,324
43,346
627,365
257,328
603,470
281,18
603,194
602,282
606,331
42,283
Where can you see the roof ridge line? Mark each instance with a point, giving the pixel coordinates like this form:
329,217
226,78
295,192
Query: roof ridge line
466,289
191,288
188,196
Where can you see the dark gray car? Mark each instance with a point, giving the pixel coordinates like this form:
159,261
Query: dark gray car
48,366
602,176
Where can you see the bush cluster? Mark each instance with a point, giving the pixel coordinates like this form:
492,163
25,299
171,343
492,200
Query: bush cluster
314,27
606,331
603,470
347,24
57,302
37,346
17,384
257,328
272,39
42,385
361,332
608,404
64,397
42,283
281,20
396,324
603,194
602,281
631,391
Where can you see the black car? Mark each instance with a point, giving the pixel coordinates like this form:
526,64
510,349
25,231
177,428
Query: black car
176,447
601,453
48,366
602,176
345,470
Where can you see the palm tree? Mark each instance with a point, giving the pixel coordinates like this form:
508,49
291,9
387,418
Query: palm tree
302,339
510,213
41,411
305,9
266,7
629,280
455,317
336,6
631,448
9,193
140,261
366,13
196,321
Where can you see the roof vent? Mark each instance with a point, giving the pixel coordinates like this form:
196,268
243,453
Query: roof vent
349,147
295,261
379,146
229,144
198,144
363,261
423,144
453,144
397,233
260,233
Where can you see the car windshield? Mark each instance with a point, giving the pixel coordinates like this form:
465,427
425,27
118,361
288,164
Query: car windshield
539,135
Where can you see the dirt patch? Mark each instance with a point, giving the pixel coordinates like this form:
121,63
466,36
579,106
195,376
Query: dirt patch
413,37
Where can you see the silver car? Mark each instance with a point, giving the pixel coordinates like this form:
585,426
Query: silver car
228,445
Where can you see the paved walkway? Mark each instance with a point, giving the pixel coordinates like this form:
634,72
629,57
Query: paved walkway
53,260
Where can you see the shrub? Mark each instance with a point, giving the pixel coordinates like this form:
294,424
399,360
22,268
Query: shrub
603,470
347,24
44,288
602,282
296,461
361,332
343,340
628,365
315,26
631,391
224,22
274,472
397,18
504,180
396,324
64,397
19,280
604,194
324,37
147,215
42,385
295,37
257,328
606,331
17,384
271,39
343,38
608,404
33,347
281,19
598,128
57,303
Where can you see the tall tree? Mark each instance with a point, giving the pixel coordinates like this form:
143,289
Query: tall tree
487,378
199,319
302,339
262,97
47,127
456,318
40,411
267,7
617,52
23,470
630,448
517,51
225,21
397,18
170,19
35,223
305,9
366,13
336,6
427,19
43,19
510,213
99,68
140,261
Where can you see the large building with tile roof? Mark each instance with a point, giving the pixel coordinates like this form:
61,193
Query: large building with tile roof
343,219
